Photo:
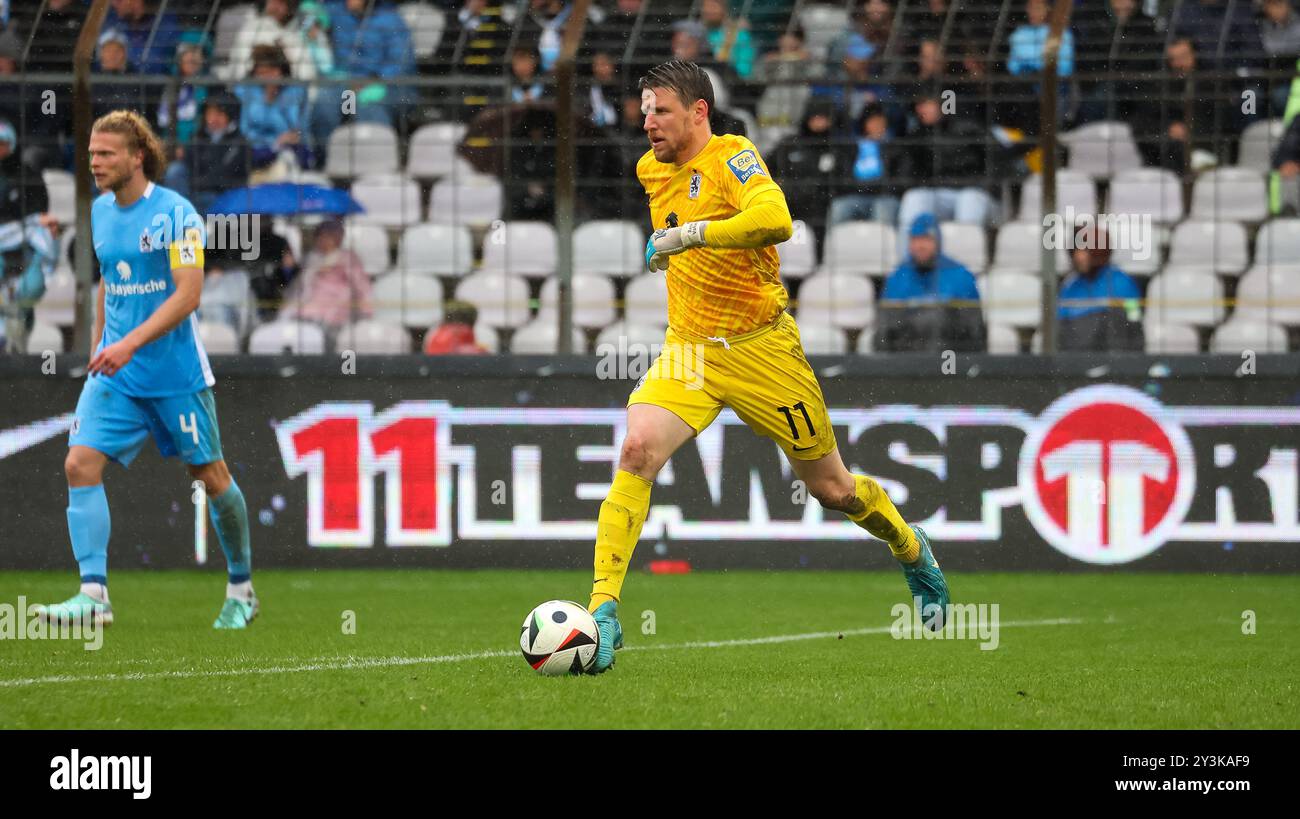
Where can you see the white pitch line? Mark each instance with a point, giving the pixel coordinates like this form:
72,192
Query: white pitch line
361,663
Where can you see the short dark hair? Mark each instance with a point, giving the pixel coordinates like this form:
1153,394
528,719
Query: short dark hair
686,79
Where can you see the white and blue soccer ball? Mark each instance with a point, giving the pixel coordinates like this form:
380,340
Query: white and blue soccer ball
559,637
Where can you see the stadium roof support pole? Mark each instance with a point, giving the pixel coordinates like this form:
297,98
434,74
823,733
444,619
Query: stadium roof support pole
81,122
1047,145
566,167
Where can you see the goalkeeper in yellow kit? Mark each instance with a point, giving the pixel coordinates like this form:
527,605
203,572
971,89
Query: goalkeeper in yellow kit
729,343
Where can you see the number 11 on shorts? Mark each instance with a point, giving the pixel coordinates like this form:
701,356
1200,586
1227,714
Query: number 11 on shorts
789,419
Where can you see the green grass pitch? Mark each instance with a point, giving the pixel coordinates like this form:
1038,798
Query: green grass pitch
438,649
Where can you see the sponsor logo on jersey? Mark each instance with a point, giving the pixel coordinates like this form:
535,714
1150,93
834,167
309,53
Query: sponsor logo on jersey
744,165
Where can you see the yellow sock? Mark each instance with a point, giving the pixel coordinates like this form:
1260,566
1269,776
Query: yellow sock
880,517
617,529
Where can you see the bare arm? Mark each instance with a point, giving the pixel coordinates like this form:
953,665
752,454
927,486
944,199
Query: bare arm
98,331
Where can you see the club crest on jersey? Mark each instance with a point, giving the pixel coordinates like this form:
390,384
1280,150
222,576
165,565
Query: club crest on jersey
695,185
146,241
744,165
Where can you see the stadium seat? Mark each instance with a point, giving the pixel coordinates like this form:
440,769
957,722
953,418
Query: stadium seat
502,300
466,200
1075,193
541,336
866,342
1257,143
1237,336
859,248
409,301
822,25
1102,149
721,96
747,119
1018,246
229,22
837,301
781,105
1270,293
1156,191
58,305
820,339
228,299
770,136
218,338
44,337
370,243
432,151
287,337
1221,246
62,189
1003,339
390,199
1278,242
646,300
609,247
487,337
1175,339
360,148
435,250
1125,257
1011,298
798,254
521,248
965,243
1185,296
594,301
646,335
426,25
371,337
1230,194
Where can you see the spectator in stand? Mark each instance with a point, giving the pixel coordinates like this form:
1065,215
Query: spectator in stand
180,111
333,289
1120,41
690,44
272,116
808,165
372,50
616,30
455,336
928,23
277,24
28,249
790,62
543,26
55,37
1279,30
274,269
944,163
932,67
1099,304
1026,60
728,37
868,189
930,302
144,29
47,136
1178,130
524,83
1212,32
857,59
1286,162
112,62
217,159
601,94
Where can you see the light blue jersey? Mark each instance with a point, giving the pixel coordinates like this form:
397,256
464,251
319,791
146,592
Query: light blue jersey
138,247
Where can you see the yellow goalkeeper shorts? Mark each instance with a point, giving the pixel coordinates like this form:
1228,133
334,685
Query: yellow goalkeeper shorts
762,375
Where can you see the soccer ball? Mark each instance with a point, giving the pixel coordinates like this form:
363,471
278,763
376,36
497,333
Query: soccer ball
559,637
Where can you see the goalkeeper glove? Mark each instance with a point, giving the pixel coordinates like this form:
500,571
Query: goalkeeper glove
670,241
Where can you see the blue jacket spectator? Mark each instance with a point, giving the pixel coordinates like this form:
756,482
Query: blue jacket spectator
1028,40
1098,305
160,33
378,45
930,301
272,116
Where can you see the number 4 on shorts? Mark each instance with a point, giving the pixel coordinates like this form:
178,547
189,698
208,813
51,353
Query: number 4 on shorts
193,428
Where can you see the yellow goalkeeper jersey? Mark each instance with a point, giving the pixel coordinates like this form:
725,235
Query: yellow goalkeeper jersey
715,291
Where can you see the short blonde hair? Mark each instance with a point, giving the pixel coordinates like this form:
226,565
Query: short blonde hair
139,137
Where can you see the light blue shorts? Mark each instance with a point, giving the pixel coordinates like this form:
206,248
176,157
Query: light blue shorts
118,425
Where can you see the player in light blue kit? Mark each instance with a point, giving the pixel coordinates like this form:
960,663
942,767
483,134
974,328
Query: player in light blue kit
148,373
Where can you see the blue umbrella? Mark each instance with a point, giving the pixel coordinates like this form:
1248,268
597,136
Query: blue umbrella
286,199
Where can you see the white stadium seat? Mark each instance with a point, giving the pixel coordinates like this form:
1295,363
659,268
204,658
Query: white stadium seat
819,339
62,189
646,335
473,200
1235,337
541,336
966,243
487,337
432,150
1191,296
1102,149
798,253
435,250
407,300
58,305
1012,298
1075,193
426,25
371,337
860,247
646,300
521,249
1220,246
1003,339
390,199
361,147
1257,143
1126,257
501,299
1270,293
1230,194
822,24
1019,244
287,337
370,243
611,247
218,338
594,301
1172,339
837,301
1156,191
44,337
1278,242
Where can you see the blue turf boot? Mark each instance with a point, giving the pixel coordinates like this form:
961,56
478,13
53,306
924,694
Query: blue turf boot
926,582
611,636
